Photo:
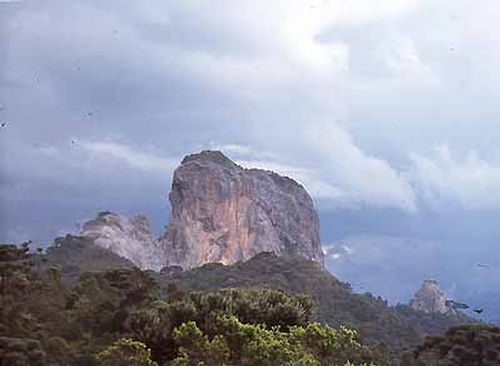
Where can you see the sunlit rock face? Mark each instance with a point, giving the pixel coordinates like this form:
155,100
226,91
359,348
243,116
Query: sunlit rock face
129,238
430,299
224,213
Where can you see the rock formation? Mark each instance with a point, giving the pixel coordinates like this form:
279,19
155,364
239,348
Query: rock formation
430,299
130,239
222,213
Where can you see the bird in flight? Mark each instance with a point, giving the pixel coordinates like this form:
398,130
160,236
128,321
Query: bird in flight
479,310
3,125
483,265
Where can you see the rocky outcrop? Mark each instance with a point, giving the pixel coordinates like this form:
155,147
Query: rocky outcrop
430,299
130,239
224,213
221,213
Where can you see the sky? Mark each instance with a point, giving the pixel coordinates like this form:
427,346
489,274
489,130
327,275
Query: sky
387,112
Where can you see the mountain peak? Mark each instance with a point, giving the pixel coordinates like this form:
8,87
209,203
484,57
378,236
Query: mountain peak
228,215
214,156
430,299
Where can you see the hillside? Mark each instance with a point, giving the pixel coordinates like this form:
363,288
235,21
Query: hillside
398,327
75,255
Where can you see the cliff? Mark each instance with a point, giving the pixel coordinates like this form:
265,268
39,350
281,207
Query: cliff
224,213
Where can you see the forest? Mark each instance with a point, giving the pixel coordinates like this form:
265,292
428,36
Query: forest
57,312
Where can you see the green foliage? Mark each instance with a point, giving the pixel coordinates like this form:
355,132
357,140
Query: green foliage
258,311
58,350
154,324
68,324
23,287
334,347
20,352
255,345
254,305
466,345
99,304
378,324
76,255
126,352
195,348
15,268
15,265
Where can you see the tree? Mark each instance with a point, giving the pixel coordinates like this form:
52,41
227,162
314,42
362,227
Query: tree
465,345
257,345
16,267
196,348
154,324
21,351
126,352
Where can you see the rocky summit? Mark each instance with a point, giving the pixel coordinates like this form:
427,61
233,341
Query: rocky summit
224,213
221,212
430,299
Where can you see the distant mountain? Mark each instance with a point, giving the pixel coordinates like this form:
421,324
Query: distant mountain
430,299
221,212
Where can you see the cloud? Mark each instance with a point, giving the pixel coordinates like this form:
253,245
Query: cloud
305,89
434,182
363,179
339,177
336,251
442,179
133,158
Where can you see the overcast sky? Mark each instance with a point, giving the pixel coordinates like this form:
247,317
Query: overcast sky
387,112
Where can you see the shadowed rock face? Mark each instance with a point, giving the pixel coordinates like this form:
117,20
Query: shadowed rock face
430,299
224,213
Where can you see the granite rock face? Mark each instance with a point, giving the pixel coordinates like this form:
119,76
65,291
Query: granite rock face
221,213
129,238
430,299
224,213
